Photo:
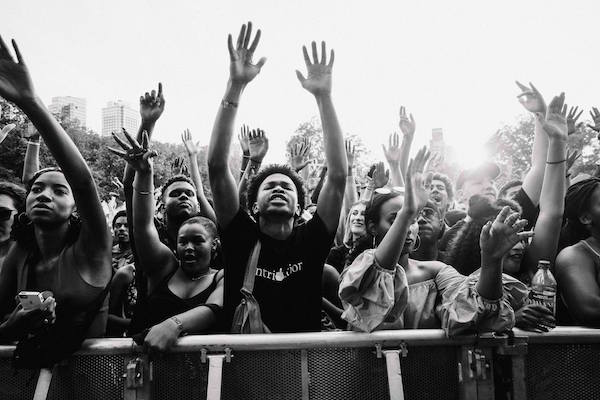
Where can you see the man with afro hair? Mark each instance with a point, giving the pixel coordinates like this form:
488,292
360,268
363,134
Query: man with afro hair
290,263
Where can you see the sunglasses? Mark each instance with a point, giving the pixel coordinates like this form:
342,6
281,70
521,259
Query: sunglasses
6,213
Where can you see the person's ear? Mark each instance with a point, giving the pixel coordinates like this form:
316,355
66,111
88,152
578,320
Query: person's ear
371,228
298,210
255,208
215,245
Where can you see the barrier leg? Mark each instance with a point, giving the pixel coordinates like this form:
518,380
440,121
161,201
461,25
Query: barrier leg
394,373
215,375
43,384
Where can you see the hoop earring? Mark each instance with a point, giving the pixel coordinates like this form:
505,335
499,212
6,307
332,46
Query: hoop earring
417,243
24,219
374,244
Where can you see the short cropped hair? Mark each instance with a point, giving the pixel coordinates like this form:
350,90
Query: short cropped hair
172,180
119,214
438,176
16,193
264,173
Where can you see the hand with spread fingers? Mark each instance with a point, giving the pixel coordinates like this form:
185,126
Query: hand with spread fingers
350,152
381,176
243,138
393,152
407,126
139,157
499,236
318,81
596,118
572,156
152,105
572,118
555,123
299,154
241,69
15,81
192,148
532,100
418,184
258,145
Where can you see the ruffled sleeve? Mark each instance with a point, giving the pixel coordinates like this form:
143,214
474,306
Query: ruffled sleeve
462,309
371,294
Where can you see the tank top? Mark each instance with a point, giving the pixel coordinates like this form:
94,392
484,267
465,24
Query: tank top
162,303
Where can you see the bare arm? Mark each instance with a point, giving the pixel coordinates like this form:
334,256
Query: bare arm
193,149
242,71
318,83
393,155
32,157
258,145
547,228
408,127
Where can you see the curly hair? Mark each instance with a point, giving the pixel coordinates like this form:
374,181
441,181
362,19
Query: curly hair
16,193
438,176
464,253
172,180
264,173
577,202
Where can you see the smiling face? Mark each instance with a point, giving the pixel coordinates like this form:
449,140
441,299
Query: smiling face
511,263
356,219
180,200
194,248
387,215
50,200
277,197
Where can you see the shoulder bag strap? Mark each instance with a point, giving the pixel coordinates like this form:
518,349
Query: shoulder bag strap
251,268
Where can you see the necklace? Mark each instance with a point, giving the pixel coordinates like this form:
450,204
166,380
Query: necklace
198,277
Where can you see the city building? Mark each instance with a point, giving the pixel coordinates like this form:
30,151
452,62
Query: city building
117,115
71,108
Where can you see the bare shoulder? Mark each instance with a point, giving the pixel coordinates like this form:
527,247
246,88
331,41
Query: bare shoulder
427,269
573,255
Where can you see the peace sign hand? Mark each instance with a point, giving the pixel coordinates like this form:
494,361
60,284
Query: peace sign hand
241,68
138,157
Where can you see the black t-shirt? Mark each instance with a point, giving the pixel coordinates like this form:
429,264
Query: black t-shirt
337,257
288,275
530,211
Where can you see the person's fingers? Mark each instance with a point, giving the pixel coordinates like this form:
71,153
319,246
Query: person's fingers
323,54
306,57
577,116
525,235
261,62
331,58
315,55
232,53
242,34
300,77
119,153
18,52
501,217
511,219
522,87
412,120
255,42
121,143
247,35
149,154
131,140
485,231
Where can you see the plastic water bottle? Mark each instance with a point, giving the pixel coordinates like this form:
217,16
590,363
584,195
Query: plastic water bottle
543,287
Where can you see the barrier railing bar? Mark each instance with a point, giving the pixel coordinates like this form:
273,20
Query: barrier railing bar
562,334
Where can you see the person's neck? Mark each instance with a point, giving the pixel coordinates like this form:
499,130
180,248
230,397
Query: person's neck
51,239
172,224
124,246
426,251
198,273
403,260
277,228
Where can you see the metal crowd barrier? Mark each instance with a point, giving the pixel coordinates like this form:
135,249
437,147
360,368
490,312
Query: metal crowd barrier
408,364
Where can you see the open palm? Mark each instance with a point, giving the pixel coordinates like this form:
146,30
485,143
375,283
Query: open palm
241,68
555,124
15,81
318,81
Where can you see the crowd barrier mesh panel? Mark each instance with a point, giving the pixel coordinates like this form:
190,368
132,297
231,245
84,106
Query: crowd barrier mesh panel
16,384
89,377
263,375
180,376
563,372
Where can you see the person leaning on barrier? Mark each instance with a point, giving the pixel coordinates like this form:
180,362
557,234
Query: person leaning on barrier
288,273
384,289
56,249
185,295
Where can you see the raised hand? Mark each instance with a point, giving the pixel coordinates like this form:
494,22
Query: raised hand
258,145
572,156
381,176
596,118
407,126
299,155
499,236
5,131
532,100
417,184
243,138
572,118
192,148
139,157
393,152
241,68
555,123
318,81
120,193
152,105
15,81
350,152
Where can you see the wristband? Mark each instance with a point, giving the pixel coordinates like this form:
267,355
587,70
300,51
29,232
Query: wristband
246,156
556,162
29,142
228,104
178,323
142,192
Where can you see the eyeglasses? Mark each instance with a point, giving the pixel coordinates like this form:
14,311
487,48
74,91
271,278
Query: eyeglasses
428,213
6,213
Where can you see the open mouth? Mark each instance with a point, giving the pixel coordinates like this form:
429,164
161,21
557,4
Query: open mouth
190,257
278,197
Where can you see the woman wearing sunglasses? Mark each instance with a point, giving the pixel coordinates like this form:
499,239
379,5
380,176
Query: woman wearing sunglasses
64,254
384,289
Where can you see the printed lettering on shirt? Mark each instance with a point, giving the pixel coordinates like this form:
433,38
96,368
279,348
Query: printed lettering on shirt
281,274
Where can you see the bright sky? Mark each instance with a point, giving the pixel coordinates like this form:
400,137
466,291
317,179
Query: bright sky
451,63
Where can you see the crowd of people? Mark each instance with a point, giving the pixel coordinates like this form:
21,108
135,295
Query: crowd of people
411,250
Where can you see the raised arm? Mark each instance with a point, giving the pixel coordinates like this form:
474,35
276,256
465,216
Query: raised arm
193,148
15,85
241,72
533,102
408,128
153,255
32,157
547,228
258,146
318,83
393,154
299,160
